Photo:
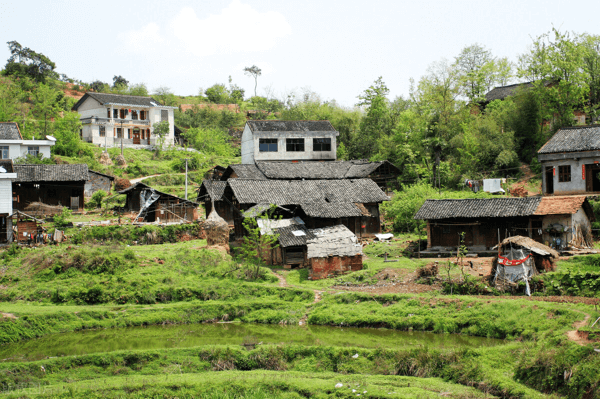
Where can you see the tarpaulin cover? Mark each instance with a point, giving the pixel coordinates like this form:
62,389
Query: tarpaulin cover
514,265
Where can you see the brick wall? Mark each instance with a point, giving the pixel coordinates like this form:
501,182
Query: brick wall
333,266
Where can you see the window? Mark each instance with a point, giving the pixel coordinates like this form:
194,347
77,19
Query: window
122,112
294,144
102,131
4,152
143,115
321,144
119,133
164,115
267,145
108,112
564,173
115,113
33,150
128,133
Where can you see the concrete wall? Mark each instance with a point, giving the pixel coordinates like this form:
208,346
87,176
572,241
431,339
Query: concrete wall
251,151
19,148
6,198
577,183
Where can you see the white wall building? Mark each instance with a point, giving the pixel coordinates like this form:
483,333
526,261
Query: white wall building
13,146
288,141
108,118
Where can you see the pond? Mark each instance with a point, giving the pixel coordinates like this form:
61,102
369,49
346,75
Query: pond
191,335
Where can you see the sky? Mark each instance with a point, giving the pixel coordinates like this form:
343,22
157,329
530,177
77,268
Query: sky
336,49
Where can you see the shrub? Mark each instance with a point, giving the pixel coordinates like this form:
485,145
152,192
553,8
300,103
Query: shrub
62,219
97,197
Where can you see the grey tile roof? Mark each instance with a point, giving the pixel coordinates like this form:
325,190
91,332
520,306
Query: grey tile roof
10,131
285,192
321,170
573,139
243,171
331,209
46,173
102,174
142,186
288,239
211,190
500,93
290,126
478,208
106,99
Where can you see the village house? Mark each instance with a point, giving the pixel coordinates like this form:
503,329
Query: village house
275,140
112,119
555,221
320,203
571,161
12,144
61,185
155,206
7,175
98,181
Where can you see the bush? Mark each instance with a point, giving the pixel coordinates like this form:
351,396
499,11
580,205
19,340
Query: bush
97,197
61,220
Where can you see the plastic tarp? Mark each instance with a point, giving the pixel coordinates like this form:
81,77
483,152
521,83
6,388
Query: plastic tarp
515,265
492,186
147,198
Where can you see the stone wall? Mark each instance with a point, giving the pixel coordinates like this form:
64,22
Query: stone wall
334,265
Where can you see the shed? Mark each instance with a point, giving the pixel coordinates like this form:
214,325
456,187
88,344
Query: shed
98,181
155,206
50,184
487,221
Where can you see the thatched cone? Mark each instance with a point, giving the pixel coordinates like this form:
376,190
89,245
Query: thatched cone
105,159
121,161
217,230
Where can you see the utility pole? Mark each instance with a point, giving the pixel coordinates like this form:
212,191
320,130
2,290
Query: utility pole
122,134
186,179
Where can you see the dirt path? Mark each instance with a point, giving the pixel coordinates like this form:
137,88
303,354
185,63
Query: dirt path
282,282
574,334
318,296
139,179
8,316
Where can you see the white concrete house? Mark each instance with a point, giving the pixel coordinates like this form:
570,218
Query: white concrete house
288,141
13,146
7,175
108,118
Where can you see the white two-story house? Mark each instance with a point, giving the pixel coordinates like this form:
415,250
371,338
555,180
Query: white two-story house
288,141
13,146
111,119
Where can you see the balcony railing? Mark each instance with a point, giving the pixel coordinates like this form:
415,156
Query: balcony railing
115,121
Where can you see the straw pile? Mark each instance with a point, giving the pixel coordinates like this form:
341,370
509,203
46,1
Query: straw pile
41,209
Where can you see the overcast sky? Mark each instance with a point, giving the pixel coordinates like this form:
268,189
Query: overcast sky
334,48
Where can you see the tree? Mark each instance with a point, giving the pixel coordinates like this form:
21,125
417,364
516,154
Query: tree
120,81
99,86
68,142
139,89
255,72
161,130
218,94
591,66
24,61
165,96
45,104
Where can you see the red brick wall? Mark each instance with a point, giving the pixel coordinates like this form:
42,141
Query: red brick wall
334,265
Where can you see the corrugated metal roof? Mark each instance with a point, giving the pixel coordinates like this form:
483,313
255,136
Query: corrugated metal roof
43,173
267,226
573,139
478,208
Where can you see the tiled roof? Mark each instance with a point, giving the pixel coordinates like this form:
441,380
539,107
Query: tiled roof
285,192
321,170
211,189
331,209
290,126
10,131
560,205
478,208
573,139
288,239
142,186
500,93
243,171
44,173
102,174
106,99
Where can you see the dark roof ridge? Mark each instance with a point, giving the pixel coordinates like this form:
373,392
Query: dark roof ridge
580,126
514,84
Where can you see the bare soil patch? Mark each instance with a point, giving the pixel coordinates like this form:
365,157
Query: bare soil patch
391,281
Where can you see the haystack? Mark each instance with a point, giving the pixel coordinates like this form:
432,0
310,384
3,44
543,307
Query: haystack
217,230
121,161
41,209
105,159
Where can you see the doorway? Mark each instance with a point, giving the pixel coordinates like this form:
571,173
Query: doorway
136,135
592,180
549,179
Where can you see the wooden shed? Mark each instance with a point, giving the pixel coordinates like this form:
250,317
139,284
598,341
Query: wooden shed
155,206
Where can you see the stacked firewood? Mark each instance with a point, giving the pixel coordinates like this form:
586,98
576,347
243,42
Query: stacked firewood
581,238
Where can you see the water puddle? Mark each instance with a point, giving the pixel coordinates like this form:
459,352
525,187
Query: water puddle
191,335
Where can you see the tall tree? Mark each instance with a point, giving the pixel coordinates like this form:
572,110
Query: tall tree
46,106
24,61
255,72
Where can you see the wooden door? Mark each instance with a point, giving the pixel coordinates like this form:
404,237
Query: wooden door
136,136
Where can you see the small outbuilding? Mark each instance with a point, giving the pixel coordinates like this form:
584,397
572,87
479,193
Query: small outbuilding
155,206
98,181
